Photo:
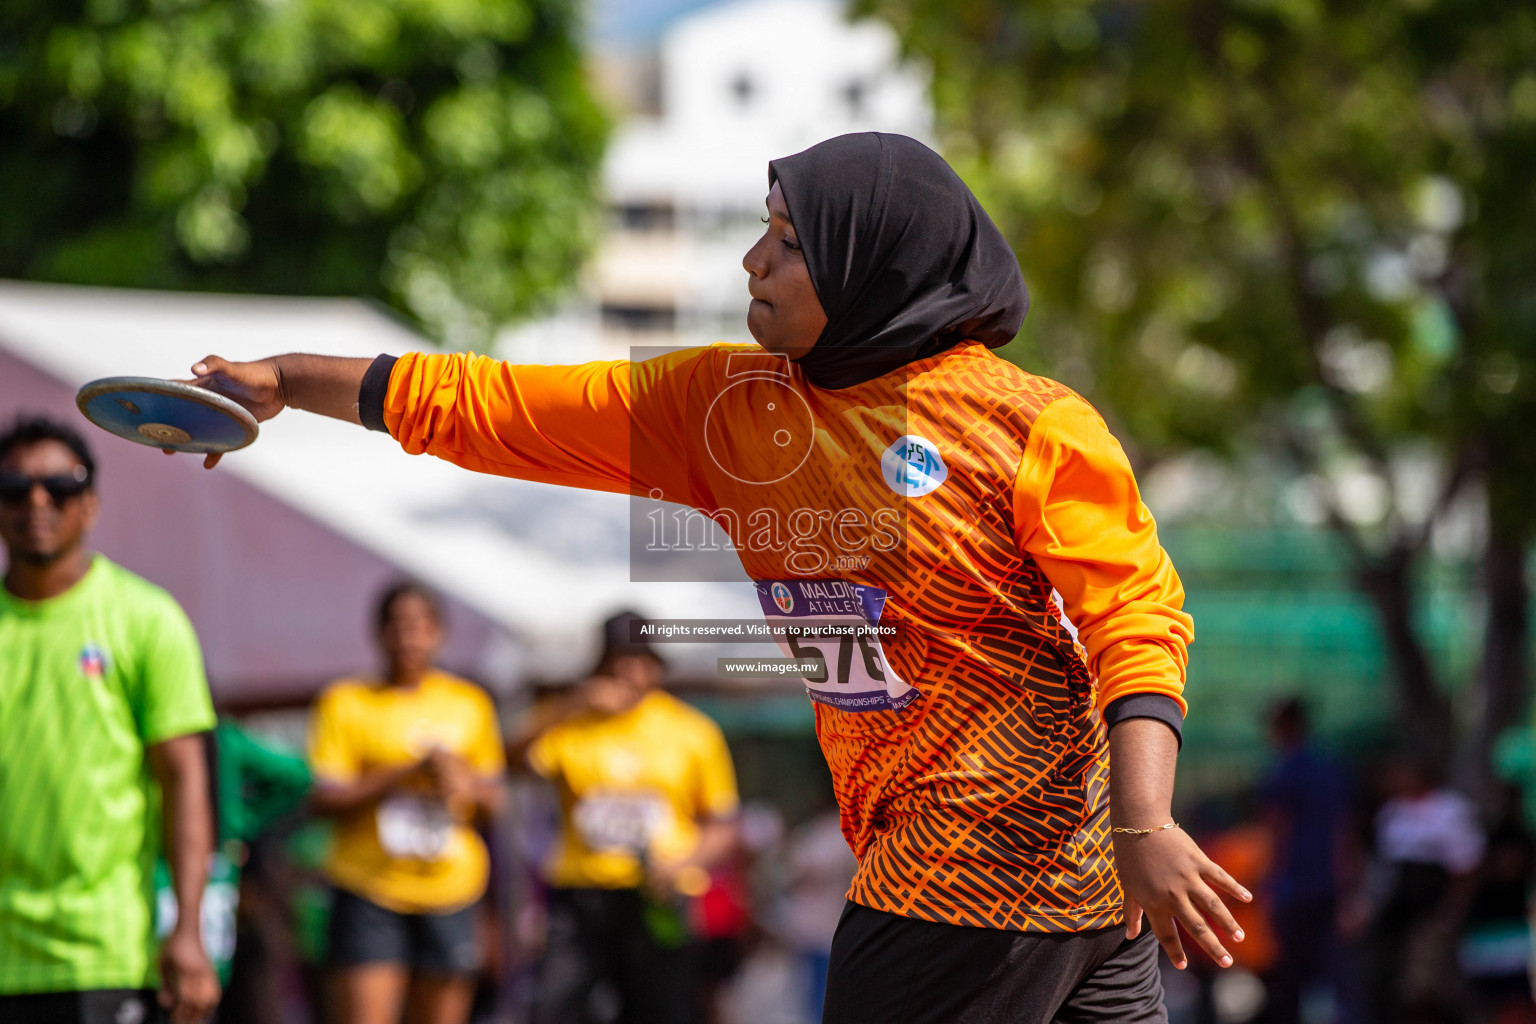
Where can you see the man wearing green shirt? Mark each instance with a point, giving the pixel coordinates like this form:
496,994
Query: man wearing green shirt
102,698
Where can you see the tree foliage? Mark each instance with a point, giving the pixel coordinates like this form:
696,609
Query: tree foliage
1280,222
438,154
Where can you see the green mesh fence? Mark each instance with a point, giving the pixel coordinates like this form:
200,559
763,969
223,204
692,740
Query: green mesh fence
1276,616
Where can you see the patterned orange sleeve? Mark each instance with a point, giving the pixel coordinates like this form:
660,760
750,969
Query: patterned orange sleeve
608,426
1078,513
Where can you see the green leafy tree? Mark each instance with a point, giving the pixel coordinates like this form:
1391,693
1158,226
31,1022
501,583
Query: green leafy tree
1290,223
437,154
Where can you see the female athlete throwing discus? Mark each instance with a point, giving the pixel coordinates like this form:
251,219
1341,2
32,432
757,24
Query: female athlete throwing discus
1003,729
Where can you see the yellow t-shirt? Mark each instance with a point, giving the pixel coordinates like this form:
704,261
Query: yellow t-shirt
631,782
407,852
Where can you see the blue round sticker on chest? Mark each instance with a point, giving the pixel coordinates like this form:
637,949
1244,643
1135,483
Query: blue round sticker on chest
912,466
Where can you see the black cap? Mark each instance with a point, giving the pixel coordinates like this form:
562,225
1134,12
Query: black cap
621,636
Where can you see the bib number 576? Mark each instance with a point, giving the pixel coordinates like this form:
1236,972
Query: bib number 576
845,644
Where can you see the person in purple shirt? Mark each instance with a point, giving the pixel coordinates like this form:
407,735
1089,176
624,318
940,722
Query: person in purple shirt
1306,800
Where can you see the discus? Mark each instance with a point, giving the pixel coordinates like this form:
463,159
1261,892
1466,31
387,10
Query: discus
167,414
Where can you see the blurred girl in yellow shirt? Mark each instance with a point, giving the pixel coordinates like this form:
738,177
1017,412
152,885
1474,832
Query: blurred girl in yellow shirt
405,765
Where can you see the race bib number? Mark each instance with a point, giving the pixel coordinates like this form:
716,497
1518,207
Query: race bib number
834,623
618,821
415,827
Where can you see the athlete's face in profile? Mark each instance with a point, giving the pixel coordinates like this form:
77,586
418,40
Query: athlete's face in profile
411,636
785,315
39,529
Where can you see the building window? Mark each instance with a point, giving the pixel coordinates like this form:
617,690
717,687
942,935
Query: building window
645,216
639,319
854,94
743,88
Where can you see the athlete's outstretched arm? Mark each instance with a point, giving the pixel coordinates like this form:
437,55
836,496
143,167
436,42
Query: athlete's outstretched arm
328,385
615,426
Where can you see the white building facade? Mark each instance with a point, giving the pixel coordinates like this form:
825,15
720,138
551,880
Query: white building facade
735,85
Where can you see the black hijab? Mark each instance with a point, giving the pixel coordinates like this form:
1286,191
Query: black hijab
905,261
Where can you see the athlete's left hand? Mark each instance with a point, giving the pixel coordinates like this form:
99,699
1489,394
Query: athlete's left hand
189,988
1165,875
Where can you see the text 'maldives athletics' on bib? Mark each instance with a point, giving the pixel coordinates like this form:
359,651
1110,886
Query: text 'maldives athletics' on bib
836,622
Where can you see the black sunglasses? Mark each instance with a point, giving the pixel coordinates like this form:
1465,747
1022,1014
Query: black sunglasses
16,488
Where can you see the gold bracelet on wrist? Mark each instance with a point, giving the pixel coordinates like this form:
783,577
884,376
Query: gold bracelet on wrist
1146,831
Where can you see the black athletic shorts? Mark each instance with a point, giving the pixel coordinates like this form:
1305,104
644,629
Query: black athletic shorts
887,969
602,935
362,932
93,1006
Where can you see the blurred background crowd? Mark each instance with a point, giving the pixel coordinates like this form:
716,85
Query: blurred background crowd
1282,245
1384,894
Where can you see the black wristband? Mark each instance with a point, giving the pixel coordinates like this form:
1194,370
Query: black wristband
1146,705
370,397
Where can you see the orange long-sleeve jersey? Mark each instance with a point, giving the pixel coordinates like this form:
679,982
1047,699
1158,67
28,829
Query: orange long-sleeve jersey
970,515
